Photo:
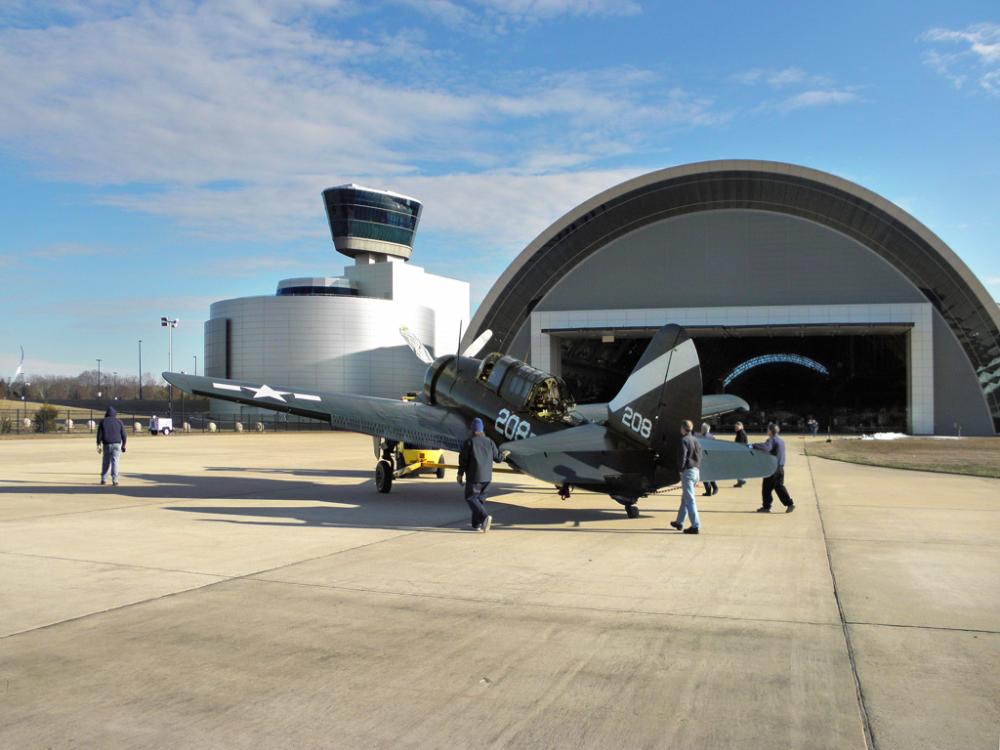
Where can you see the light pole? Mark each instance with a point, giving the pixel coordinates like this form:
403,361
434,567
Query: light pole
98,378
140,369
114,390
195,364
170,324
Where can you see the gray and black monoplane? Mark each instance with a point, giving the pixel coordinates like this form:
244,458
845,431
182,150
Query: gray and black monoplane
626,448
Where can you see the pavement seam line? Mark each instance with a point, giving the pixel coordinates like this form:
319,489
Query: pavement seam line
859,692
506,602
111,564
936,628
222,579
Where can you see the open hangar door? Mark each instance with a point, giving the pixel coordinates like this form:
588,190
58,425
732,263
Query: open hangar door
851,377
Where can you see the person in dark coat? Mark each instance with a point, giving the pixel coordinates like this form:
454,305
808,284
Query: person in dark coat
111,439
776,482
475,471
711,488
741,437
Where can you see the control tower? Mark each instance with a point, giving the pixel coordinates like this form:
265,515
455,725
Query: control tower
371,226
341,333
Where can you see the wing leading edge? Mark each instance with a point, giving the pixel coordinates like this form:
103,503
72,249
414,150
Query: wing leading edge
408,421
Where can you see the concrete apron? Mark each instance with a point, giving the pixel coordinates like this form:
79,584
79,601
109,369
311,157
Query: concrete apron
256,591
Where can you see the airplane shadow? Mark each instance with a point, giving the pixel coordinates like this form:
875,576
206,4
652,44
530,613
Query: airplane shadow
360,473
427,504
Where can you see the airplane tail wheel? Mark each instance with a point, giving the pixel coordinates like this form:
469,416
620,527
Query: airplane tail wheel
383,476
440,472
632,511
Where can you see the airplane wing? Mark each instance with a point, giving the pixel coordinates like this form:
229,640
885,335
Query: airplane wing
712,405
409,421
715,404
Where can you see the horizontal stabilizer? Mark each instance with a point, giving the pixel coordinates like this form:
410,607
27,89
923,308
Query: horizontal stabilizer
722,459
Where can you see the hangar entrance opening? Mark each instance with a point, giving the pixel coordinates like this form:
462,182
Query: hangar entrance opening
865,389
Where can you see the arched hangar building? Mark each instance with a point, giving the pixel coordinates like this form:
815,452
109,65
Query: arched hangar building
770,266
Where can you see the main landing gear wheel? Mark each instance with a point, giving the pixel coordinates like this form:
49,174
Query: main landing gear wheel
383,476
632,511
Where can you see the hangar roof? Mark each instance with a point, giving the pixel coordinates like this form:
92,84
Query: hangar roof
881,226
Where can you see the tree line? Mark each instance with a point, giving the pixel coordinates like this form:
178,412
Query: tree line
55,388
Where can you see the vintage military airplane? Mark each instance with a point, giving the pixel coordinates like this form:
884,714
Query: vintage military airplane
626,448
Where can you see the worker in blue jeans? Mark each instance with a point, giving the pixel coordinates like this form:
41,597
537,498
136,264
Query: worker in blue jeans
689,467
111,439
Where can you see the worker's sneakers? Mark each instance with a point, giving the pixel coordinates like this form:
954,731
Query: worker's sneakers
676,525
487,523
691,530
762,509
789,508
103,482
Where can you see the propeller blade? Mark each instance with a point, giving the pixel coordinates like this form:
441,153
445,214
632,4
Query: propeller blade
414,343
477,346
20,367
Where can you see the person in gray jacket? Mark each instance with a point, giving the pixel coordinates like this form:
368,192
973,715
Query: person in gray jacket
111,439
689,466
475,471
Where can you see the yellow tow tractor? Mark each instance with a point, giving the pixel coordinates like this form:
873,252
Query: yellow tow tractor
397,460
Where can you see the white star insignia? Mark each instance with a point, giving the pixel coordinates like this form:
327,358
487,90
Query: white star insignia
266,391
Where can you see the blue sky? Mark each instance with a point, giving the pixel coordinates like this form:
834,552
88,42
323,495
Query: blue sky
158,156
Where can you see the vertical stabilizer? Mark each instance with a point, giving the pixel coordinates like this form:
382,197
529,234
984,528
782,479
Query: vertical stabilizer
663,390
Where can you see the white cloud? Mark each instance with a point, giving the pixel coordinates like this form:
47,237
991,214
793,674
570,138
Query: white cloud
817,98
234,115
970,53
497,16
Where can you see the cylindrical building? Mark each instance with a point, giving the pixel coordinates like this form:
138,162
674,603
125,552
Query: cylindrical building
341,334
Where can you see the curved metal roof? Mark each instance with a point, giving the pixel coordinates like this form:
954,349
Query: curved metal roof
876,223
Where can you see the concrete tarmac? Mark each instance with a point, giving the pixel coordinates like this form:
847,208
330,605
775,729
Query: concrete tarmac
248,591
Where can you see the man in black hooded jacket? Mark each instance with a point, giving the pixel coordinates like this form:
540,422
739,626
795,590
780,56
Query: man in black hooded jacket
111,439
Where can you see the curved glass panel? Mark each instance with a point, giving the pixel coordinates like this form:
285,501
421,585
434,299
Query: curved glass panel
317,291
773,359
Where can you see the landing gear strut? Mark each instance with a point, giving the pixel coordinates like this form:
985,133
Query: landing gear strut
564,490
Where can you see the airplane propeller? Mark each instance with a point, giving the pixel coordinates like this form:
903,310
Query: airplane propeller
477,346
424,356
414,343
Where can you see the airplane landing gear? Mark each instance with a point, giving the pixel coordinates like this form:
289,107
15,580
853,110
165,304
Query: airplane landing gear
632,511
383,476
564,490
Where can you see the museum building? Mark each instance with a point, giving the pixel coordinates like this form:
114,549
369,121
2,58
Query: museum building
805,294
341,333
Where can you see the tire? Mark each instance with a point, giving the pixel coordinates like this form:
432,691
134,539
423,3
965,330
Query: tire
632,511
383,476
166,431
440,472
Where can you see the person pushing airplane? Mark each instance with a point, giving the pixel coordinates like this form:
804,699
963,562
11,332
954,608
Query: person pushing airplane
475,464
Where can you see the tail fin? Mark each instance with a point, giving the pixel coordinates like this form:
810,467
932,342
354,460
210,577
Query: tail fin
663,390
